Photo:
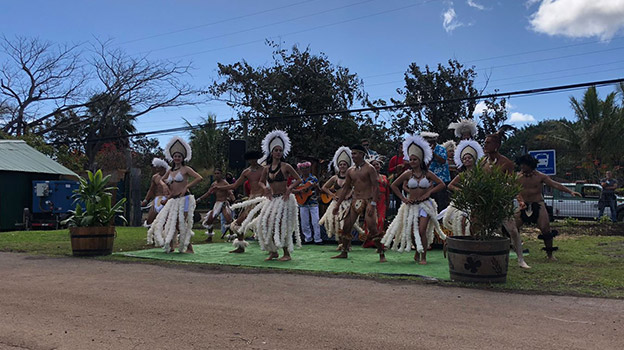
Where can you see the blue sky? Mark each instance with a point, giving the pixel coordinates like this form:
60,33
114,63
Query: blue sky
520,44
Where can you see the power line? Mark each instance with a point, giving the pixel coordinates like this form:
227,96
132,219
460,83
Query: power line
309,29
217,22
526,75
529,92
520,63
507,55
259,27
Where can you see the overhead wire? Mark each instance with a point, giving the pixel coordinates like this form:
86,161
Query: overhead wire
528,92
217,22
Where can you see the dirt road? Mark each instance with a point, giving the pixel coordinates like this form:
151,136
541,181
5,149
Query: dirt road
66,303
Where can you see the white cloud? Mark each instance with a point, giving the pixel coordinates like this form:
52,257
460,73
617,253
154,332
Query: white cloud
530,3
474,4
579,18
479,108
450,22
517,117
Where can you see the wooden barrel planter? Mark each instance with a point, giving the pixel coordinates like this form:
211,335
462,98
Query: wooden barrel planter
92,241
472,260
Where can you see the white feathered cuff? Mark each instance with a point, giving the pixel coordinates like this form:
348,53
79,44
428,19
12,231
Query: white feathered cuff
240,244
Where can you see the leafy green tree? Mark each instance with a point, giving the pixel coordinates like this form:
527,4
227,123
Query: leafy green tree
597,133
493,117
210,145
426,86
296,82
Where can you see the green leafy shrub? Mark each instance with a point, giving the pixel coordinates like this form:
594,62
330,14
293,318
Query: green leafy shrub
96,197
488,196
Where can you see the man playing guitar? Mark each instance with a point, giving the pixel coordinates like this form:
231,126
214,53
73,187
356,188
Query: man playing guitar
307,198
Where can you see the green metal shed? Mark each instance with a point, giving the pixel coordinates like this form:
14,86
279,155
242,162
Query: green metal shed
20,165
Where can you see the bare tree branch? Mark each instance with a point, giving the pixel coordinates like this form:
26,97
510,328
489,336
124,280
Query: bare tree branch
41,76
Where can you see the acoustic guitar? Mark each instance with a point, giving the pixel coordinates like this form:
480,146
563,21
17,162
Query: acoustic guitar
305,192
325,198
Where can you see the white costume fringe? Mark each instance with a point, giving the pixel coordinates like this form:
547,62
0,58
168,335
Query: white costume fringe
165,225
333,223
452,220
216,211
406,223
276,223
257,204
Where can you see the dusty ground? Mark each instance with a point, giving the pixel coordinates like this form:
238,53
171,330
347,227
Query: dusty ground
67,303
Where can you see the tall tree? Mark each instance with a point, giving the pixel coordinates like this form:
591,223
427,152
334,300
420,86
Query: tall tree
492,117
436,93
38,80
598,128
297,82
210,145
107,121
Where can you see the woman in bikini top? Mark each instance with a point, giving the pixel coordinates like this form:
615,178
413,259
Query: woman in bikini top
277,174
336,182
176,179
418,182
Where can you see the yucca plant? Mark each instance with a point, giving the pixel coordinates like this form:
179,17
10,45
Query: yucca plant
488,196
96,197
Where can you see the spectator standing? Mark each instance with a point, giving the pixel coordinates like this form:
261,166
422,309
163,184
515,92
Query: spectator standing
607,198
369,152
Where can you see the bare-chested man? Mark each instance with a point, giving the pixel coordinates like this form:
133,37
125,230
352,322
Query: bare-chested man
158,191
363,178
221,205
256,189
493,158
531,207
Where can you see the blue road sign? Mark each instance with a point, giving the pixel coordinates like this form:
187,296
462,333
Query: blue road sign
546,161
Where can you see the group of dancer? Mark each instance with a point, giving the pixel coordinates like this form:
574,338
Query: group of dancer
272,213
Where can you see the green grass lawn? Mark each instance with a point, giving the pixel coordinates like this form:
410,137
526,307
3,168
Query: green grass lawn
587,265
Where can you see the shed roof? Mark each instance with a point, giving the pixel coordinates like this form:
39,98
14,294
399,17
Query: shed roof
17,155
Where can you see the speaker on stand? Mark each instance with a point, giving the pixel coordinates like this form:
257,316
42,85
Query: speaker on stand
237,154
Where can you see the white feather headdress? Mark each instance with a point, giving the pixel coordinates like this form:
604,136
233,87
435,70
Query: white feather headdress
450,145
467,147
342,154
178,145
418,146
159,163
429,134
272,139
463,126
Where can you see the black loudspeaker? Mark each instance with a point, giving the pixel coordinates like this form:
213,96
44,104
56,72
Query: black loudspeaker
237,154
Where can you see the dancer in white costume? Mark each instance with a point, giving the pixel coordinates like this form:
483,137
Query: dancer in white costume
278,218
415,222
177,215
157,192
467,154
257,189
341,163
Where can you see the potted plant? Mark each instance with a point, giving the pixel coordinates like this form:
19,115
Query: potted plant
488,198
91,226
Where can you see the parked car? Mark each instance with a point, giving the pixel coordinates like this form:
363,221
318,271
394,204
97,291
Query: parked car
563,205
